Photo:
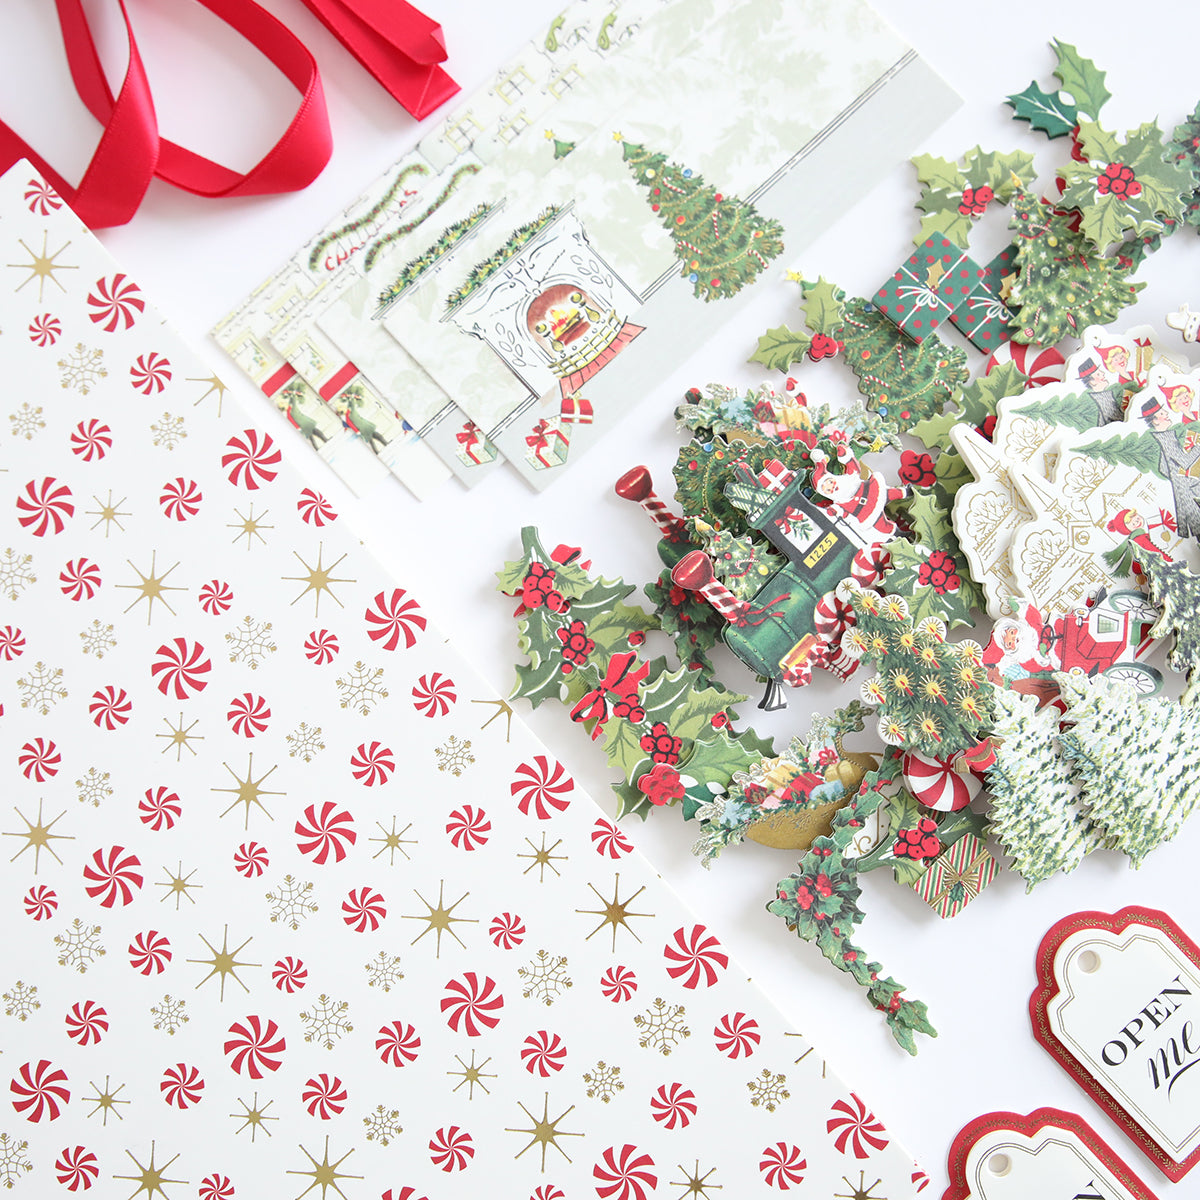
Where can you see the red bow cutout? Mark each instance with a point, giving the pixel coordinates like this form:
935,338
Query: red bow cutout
620,682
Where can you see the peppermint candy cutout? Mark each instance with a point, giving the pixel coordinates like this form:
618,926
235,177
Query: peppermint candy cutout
115,302
937,784
397,1044
248,715
79,579
87,1023
250,460
372,765
324,1097
40,902
547,1191
451,1149
506,931
624,1174
434,695
314,509
363,910
91,440
45,506
854,1128
255,1045
290,975
543,1053
250,859
216,1187
608,840
618,984
673,1107
110,707
736,1035
1040,365
150,952
39,1091
150,373
181,1085
694,956
41,198
180,668
215,597
180,498
544,788
76,1168
471,1005
12,642
159,808
39,760
113,875
392,617
45,330
783,1165
325,831
321,647
468,828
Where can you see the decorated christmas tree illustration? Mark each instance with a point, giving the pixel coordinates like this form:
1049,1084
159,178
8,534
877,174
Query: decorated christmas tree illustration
722,241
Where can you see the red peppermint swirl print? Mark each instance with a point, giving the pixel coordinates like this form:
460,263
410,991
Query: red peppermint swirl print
87,1023
543,1053
405,1193
468,827
181,1085
782,1165
451,1149
392,617
250,859
39,1091
736,1035
180,668
363,910
855,1128
324,1097
248,714
618,984
290,975
41,903
373,764
314,509
543,787
325,831
76,1168
216,1187
434,695
45,330
110,707
115,302
624,1174
548,1191
919,1178
113,876
608,840
397,1044
12,642
250,459
506,931
45,506
472,1005
215,597
90,440
39,760
150,373
694,956
321,647
255,1045
673,1106
160,808
180,498
150,952
79,579
41,198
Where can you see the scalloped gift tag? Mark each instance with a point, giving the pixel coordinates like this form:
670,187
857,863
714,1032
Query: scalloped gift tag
1118,1005
1048,1154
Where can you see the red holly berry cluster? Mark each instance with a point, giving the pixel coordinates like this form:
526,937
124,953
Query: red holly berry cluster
660,745
576,645
631,710
538,589
974,201
918,843
808,893
917,469
824,346
1117,180
940,572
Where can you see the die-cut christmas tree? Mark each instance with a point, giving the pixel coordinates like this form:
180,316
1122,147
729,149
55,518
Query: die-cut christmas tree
723,242
1139,760
1176,591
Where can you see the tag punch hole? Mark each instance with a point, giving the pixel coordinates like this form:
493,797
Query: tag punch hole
1089,962
999,1164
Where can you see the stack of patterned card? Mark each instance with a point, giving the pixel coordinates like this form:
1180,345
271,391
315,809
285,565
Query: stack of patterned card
295,907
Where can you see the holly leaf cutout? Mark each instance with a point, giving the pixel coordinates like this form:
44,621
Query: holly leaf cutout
714,760
1081,78
938,174
1184,150
780,347
1003,173
976,402
681,701
824,306
1049,112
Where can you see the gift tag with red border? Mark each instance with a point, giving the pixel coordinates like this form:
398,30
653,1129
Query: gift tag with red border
1048,1155
1118,1004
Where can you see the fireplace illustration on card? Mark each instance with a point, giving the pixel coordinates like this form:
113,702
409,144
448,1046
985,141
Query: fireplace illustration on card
554,312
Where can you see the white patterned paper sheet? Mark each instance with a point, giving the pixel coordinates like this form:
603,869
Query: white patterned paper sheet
293,905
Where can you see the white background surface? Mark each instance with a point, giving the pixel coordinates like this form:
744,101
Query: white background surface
196,259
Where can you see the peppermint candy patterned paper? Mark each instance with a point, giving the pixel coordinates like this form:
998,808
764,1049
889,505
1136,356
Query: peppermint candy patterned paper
295,907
